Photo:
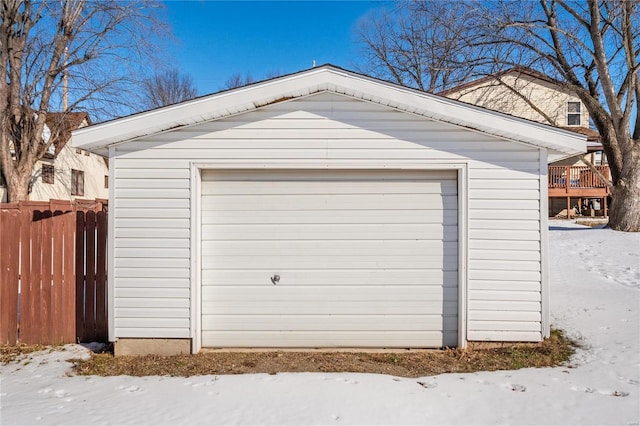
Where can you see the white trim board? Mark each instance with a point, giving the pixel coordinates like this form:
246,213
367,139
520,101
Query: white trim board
463,194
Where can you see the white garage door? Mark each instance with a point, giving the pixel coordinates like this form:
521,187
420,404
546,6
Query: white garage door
329,259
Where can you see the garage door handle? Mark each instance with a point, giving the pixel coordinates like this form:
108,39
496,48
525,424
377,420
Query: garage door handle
275,279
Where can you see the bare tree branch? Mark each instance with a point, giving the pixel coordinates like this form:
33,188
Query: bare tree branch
34,36
166,88
591,46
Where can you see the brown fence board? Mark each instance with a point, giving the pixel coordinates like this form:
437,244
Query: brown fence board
45,287
36,335
53,272
80,266
101,273
26,307
9,288
69,277
57,282
90,274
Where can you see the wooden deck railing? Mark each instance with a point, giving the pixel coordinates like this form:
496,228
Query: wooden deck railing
577,180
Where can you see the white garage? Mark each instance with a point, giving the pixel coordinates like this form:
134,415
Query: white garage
326,209
324,259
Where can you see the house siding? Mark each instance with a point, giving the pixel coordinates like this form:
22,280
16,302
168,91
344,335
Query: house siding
151,252
95,169
545,96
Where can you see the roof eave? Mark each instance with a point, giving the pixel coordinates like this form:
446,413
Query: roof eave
97,138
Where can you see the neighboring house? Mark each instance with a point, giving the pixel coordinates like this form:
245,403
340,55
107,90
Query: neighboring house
67,173
524,93
326,209
573,186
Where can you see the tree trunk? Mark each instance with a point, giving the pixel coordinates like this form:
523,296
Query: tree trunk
624,213
18,185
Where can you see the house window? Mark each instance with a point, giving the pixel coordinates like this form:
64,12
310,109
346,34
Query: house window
48,173
77,182
106,181
573,113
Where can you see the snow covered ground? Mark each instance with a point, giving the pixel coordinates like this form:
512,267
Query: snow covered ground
595,275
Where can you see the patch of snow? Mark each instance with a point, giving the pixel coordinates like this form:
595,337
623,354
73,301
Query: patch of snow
595,286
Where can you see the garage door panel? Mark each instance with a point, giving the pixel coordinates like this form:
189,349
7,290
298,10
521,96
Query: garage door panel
327,202
276,262
391,216
327,294
328,323
324,247
329,232
335,307
370,257
357,339
365,277
338,187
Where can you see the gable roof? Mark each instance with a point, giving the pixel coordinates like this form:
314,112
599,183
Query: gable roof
62,124
328,78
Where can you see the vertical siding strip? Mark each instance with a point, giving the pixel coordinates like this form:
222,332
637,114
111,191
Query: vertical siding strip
463,254
544,245
111,335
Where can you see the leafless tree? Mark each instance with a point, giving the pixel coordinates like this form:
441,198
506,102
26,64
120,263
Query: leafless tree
591,46
98,47
237,80
166,88
420,44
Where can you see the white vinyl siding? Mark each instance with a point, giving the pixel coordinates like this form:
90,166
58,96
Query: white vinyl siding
364,258
152,203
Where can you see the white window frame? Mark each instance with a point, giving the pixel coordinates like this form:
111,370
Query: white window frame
573,113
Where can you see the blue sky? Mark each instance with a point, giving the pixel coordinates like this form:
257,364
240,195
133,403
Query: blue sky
215,39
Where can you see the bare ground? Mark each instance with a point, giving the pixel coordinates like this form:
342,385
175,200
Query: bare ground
410,363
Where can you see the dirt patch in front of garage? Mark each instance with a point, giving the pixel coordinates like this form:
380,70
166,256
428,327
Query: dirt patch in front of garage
554,351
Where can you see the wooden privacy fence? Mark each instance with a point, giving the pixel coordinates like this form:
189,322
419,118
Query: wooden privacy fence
53,272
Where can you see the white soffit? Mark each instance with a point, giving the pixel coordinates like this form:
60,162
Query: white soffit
327,78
